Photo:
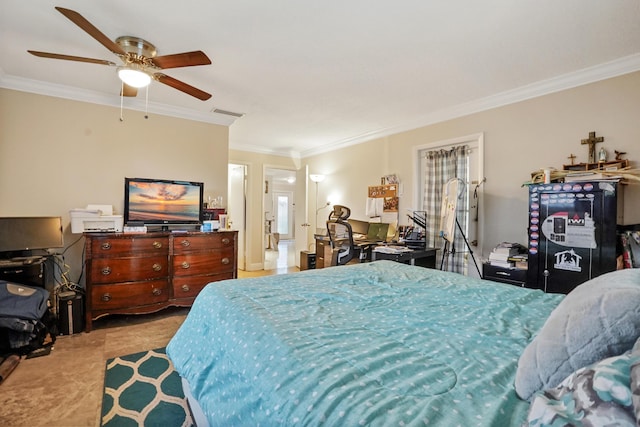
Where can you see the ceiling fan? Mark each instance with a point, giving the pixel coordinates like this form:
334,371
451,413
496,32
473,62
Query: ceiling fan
140,63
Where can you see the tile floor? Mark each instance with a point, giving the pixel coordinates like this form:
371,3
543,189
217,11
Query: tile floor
282,258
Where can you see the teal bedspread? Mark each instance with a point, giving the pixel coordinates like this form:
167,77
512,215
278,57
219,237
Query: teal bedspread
373,344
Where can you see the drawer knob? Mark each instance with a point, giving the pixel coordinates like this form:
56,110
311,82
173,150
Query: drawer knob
106,271
156,291
106,297
157,244
225,260
226,241
156,267
185,243
105,246
185,265
186,288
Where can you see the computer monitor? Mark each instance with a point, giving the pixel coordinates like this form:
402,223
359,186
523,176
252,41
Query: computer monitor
25,234
378,231
358,226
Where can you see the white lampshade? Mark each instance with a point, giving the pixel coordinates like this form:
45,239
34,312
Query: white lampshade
316,177
133,77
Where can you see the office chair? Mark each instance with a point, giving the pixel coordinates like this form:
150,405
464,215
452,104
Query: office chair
341,236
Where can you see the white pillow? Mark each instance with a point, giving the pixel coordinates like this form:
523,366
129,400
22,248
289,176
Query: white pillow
598,319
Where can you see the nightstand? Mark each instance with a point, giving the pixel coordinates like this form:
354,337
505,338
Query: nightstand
511,276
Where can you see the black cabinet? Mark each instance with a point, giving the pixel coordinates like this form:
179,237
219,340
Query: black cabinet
512,276
420,257
307,260
36,272
572,233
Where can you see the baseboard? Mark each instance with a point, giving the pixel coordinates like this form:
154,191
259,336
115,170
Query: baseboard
254,267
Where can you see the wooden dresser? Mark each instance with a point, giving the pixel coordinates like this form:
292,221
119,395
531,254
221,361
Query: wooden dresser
144,273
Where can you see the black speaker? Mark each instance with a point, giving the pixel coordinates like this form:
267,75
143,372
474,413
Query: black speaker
70,314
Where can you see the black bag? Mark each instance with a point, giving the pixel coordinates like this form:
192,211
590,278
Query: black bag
25,319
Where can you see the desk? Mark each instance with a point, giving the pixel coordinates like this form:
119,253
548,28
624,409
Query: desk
421,257
323,251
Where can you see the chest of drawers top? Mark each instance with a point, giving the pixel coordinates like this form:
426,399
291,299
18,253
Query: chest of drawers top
149,244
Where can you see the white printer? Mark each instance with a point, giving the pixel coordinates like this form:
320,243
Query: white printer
95,218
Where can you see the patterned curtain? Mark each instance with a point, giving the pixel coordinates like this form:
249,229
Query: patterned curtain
439,166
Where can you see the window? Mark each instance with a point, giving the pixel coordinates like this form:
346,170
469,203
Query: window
439,163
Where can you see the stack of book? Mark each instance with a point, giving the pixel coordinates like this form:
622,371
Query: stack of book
520,261
506,255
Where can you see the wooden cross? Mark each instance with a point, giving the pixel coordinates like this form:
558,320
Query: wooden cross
572,157
592,141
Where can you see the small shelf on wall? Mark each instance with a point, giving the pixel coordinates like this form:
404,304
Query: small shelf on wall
603,166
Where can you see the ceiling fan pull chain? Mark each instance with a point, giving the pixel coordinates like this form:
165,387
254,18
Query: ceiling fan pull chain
146,104
121,100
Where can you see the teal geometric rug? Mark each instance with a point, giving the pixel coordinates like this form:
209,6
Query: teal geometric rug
143,389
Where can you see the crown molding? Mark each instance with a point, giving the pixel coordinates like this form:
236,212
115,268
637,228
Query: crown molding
615,68
582,77
251,148
100,98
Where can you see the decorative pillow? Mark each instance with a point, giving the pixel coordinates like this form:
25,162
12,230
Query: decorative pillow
598,319
599,394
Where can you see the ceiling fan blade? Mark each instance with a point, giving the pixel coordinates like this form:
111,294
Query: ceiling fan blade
128,90
88,27
182,86
71,58
187,59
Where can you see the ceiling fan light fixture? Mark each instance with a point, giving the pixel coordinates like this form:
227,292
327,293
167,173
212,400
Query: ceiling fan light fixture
134,77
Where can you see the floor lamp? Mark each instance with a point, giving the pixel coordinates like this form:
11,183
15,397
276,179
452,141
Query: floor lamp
317,178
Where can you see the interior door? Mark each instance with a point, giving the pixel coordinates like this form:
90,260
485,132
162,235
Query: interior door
284,214
303,233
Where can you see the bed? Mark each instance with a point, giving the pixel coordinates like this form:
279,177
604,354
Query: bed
385,343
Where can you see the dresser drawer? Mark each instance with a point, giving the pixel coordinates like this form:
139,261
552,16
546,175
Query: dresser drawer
203,242
142,273
512,276
104,247
111,270
218,261
190,286
122,295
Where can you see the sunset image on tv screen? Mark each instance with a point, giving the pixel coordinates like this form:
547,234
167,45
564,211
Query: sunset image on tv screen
157,201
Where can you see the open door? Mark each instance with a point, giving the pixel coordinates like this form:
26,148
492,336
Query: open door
304,234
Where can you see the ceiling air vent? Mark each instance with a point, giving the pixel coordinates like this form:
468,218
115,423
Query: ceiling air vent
228,113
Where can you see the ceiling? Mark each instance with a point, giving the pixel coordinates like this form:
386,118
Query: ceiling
314,76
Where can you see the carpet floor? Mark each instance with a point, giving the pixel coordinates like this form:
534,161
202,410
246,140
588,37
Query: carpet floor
143,389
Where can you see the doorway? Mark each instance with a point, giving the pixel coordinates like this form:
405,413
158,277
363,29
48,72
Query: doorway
283,214
279,215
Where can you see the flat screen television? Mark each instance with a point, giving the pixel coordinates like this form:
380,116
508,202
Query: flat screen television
162,202
20,235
